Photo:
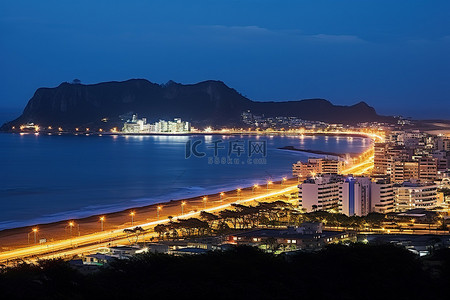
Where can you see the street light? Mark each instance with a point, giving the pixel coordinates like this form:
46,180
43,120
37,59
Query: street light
102,220
132,217
254,187
204,201
283,180
183,203
221,195
268,182
71,224
34,230
158,209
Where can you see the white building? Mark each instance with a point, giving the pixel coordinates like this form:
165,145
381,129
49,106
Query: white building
382,196
320,192
140,126
355,196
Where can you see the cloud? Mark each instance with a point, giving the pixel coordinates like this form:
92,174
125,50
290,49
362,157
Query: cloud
335,38
254,31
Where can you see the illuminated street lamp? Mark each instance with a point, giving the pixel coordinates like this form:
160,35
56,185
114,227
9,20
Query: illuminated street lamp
132,214
238,191
254,187
102,220
158,209
34,231
269,183
71,224
204,201
283,180
221,195
183,203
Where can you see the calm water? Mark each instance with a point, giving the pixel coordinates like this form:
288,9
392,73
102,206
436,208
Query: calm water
47,178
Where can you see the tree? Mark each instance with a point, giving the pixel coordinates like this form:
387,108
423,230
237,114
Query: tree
133,234
160,229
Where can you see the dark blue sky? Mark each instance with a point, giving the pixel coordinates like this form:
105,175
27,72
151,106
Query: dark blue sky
393,54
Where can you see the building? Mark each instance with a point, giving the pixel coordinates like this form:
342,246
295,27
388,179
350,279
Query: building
290,239
136,125
330,166
317,166
304,170
443,143
411,195
427,169
382,196
381,159
442,159
320,192
404,171
355,196
188,251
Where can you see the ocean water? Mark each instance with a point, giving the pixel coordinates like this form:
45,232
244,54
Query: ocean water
48,178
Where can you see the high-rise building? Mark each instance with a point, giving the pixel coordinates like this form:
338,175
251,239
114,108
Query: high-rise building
381,159
382,196
355,197
320,192
427,169
404,170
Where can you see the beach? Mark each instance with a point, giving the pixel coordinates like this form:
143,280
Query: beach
21,237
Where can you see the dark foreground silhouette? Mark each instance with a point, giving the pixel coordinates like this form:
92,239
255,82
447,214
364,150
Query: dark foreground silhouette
337,272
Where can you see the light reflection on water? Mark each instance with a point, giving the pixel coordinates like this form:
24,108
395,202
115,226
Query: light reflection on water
54,177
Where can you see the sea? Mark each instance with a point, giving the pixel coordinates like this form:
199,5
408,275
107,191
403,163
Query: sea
46,178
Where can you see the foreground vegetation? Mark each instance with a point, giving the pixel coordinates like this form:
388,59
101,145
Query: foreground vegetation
337,272
271,214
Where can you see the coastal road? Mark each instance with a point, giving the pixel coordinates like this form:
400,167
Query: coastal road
90,242
361,168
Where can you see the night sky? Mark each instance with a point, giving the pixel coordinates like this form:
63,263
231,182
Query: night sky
393,54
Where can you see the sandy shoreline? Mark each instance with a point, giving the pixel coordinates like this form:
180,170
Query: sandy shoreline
23,236
52,231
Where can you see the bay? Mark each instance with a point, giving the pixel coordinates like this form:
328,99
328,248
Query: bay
49,178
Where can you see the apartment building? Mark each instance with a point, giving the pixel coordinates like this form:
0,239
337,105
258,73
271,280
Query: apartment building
320,192
410,195
382,196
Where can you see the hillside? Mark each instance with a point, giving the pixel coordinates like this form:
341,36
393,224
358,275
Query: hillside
204,103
